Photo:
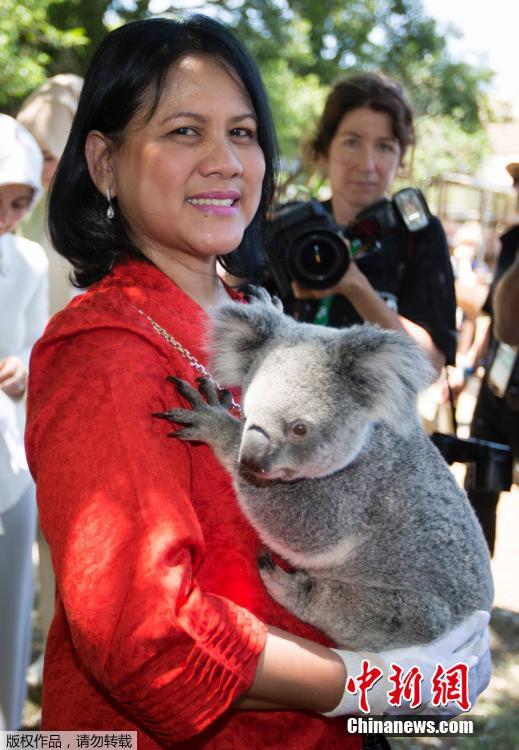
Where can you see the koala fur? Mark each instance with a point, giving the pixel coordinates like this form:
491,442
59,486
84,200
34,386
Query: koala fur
332,467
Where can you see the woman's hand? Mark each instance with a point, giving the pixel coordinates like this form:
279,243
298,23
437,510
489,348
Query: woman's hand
467,643
13,377
370,306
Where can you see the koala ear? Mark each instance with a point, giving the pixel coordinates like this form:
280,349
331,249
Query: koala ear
385,370
238,332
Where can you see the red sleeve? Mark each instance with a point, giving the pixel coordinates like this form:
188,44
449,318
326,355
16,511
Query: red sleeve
114,498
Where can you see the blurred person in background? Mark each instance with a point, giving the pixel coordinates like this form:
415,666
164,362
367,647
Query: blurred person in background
506,296
23,315
472,280
506,306
47,114
496,415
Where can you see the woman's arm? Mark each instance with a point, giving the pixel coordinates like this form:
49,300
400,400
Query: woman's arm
372,308
356,287
295,673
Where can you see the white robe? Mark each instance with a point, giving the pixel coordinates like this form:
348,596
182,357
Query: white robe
23,316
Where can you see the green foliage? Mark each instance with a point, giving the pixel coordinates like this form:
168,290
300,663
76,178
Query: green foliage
28,41
296,102
443,146
326,38
89,15
301,47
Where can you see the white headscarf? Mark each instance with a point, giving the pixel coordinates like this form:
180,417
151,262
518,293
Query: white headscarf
48,112
21,161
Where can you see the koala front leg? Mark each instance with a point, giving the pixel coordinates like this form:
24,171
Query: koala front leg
356,616
209,421
319,602
292,590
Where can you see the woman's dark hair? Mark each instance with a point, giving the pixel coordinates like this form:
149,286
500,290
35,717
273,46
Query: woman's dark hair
372,90
128,73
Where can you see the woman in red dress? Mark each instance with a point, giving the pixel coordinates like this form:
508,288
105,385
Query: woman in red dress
162,624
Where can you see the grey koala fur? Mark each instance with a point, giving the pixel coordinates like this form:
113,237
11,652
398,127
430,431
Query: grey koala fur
332,467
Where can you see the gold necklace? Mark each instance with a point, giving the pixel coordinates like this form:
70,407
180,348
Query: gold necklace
198,366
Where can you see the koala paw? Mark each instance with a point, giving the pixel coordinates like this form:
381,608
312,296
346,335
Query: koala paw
292,590
259,294
204,416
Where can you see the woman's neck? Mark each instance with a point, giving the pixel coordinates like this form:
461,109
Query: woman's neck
343,213
196,277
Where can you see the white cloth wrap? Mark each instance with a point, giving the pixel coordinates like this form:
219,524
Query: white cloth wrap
377,695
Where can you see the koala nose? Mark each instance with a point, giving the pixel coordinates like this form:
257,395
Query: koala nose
256,467
254,450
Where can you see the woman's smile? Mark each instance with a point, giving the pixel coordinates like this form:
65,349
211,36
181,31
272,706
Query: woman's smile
218,203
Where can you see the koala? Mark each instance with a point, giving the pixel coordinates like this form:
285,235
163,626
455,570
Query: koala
332,467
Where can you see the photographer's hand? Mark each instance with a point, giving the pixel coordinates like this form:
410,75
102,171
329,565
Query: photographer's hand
355,286
351,283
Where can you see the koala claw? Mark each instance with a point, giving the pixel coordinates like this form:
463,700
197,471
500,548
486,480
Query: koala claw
259,294
225,398
182,416
208,421
208,391
213,395
185,390
289,589
265,561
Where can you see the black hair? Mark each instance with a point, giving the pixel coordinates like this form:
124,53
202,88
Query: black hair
373,90
128,71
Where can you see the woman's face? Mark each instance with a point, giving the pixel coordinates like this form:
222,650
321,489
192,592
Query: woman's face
189,181
14,203
362,161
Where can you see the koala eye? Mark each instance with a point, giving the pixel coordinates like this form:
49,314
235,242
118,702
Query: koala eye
299,429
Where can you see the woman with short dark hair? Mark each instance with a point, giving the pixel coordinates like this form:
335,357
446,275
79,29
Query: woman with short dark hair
372,90
360,142
161,617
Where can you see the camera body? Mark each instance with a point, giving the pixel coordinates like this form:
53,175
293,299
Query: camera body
308,247
489,464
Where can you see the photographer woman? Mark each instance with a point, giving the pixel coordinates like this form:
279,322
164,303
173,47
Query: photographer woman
161,618
361,140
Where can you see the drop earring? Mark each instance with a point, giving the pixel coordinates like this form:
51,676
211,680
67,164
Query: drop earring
110,213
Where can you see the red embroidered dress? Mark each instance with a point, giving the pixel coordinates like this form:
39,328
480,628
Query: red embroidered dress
160,610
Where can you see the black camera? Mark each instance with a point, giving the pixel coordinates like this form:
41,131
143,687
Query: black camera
489,464
306,246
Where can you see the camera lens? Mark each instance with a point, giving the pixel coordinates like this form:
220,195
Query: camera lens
318,259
